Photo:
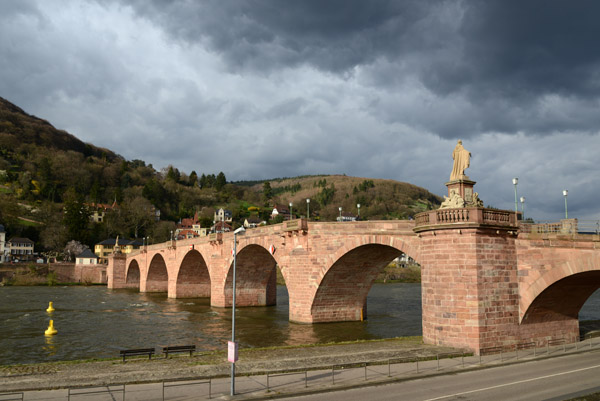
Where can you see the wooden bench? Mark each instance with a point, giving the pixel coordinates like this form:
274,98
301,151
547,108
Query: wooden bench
135,352
172,349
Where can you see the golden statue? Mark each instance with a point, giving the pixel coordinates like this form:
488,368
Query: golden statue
462,159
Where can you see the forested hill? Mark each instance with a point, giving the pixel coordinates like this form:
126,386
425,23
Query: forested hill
50,183
17,127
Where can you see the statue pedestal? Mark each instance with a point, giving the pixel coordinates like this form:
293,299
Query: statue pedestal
463,187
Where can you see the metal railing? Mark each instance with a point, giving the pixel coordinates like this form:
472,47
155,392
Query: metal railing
85,391
11,396
187,383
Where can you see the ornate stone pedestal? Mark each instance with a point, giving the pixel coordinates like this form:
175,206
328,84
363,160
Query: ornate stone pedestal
463,187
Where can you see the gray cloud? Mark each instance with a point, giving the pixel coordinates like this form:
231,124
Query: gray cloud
262,89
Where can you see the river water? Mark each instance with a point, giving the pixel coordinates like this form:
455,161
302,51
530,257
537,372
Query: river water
95,322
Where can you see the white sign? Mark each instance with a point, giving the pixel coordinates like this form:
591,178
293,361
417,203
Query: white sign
232,351
272,249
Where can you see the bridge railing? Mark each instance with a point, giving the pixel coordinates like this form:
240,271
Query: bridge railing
565,226
474,215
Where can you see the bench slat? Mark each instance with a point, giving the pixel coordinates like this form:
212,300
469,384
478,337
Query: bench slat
138,351
171,349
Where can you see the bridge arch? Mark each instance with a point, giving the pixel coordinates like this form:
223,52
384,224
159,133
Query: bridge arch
193,277
560,293
256,277
563,299
157,279
133,277
343,288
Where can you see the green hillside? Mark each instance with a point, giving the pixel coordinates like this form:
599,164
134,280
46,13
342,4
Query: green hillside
49,179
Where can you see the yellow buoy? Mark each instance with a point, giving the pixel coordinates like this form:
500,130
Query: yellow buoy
50,308
51,330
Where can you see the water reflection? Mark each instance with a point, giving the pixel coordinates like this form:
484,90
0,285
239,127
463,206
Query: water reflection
50,347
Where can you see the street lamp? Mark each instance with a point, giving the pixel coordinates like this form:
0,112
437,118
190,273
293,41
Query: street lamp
340,208
290,210
523,207
515,182
565,193
233,346
307,209
358,207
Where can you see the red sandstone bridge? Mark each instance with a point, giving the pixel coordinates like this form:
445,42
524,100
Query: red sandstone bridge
486,280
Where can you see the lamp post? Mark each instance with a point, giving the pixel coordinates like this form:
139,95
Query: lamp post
358,207
565,193
515,182
523,207
307,209
233,358
290,210
340,208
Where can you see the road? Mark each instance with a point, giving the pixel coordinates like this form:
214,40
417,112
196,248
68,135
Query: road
550,379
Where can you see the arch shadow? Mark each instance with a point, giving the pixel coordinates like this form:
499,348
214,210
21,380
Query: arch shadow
158,276
256,278
193,277
343,290
563,299
132,280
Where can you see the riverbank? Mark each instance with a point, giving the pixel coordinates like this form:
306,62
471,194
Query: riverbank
57,375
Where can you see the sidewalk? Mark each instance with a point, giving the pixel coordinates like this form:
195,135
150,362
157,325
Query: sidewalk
273,385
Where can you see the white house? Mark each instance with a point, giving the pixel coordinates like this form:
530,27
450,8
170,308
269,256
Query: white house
87,257
3,251
223,215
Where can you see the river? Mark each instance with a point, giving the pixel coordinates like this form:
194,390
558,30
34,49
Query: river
95,322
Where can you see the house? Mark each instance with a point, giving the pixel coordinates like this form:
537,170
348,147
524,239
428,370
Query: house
98,210
347,216
280,210
223,215
254,221
87,257
20,248
107,247
186,234
87,268
3,255
3,249
220,227
190,224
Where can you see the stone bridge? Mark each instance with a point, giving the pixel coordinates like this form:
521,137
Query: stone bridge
486,279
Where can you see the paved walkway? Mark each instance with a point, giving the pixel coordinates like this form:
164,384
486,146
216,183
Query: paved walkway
303,382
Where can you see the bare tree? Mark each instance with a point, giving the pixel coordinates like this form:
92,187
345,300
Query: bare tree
73,249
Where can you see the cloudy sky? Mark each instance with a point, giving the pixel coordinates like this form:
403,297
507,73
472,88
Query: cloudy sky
381,89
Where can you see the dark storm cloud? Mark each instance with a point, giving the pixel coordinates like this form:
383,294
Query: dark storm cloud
382,89
262,34
503,58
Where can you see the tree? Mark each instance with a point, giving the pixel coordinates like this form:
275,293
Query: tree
137,214
267,191
193,179
220,181
76,216
72,249
173,174
202,181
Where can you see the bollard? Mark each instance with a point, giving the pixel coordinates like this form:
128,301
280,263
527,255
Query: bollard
437,356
